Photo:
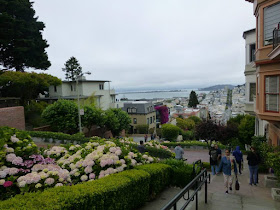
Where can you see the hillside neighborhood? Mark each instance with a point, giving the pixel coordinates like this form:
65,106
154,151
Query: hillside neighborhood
75,143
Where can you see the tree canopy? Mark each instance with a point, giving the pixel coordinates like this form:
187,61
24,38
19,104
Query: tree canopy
193,100
25,85
21,42
72,69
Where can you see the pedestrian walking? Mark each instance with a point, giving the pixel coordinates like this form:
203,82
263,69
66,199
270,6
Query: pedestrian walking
179,152
141,147
228,165
213,159
219,152
253,162
146,138
238,157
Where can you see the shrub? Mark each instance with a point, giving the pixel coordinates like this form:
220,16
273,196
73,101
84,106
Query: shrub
206,165
187,135
126,190
142,129
160,176
170,131
62,116
182,173
79,137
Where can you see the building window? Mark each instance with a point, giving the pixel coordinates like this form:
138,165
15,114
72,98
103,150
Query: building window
252,92
134,120
71,87
101,86
148,121
128,110
272,93
270,19
151,120
55,89
252,52
133,110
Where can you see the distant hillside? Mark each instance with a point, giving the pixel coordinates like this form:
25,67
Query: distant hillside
216,87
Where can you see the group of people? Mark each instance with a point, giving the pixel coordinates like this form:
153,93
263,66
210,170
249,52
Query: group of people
153,137
228,164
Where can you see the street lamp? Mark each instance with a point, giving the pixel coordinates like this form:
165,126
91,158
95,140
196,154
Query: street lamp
78,98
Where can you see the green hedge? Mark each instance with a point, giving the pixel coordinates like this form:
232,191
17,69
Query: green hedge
59,136
206,165
160,176
191,143
125,190
182,173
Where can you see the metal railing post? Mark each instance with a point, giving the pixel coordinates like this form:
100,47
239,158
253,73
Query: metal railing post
206,187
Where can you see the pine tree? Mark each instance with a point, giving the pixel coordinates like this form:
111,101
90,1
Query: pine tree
193,100
21,42
72,69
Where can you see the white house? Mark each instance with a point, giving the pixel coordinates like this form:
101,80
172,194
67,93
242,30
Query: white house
250,76
105,96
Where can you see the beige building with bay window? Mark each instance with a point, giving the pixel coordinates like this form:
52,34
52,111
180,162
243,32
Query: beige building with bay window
267,64
141,113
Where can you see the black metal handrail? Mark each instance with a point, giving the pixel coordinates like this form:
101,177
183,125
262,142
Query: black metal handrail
276,36
197,165
198,182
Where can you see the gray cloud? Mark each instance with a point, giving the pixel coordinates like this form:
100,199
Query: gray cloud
149,43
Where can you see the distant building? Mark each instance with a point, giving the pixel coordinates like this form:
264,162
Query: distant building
141,113
105,97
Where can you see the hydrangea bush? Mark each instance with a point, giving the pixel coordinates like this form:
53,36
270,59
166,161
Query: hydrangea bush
24,169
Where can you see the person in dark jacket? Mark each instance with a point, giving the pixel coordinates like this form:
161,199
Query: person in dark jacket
253,161
141,147
238,157
213,159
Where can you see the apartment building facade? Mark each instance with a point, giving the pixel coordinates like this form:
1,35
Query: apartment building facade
105,96
141,113
267,63
261,126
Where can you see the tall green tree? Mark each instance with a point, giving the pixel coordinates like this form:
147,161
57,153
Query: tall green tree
246,129
25,85
193,100
72,69
93,116
21,42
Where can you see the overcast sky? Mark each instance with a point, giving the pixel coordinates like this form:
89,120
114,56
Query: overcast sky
149,43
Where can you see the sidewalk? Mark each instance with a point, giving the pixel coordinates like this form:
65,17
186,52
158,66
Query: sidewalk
247,198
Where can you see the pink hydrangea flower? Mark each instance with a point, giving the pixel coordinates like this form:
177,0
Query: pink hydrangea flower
49,181
3,174
10,157
8,184
17,161
91,176
88,169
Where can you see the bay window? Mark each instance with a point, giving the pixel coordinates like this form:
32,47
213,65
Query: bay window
272,93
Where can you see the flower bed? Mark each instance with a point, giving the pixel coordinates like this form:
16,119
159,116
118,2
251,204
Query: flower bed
125,190
23,169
